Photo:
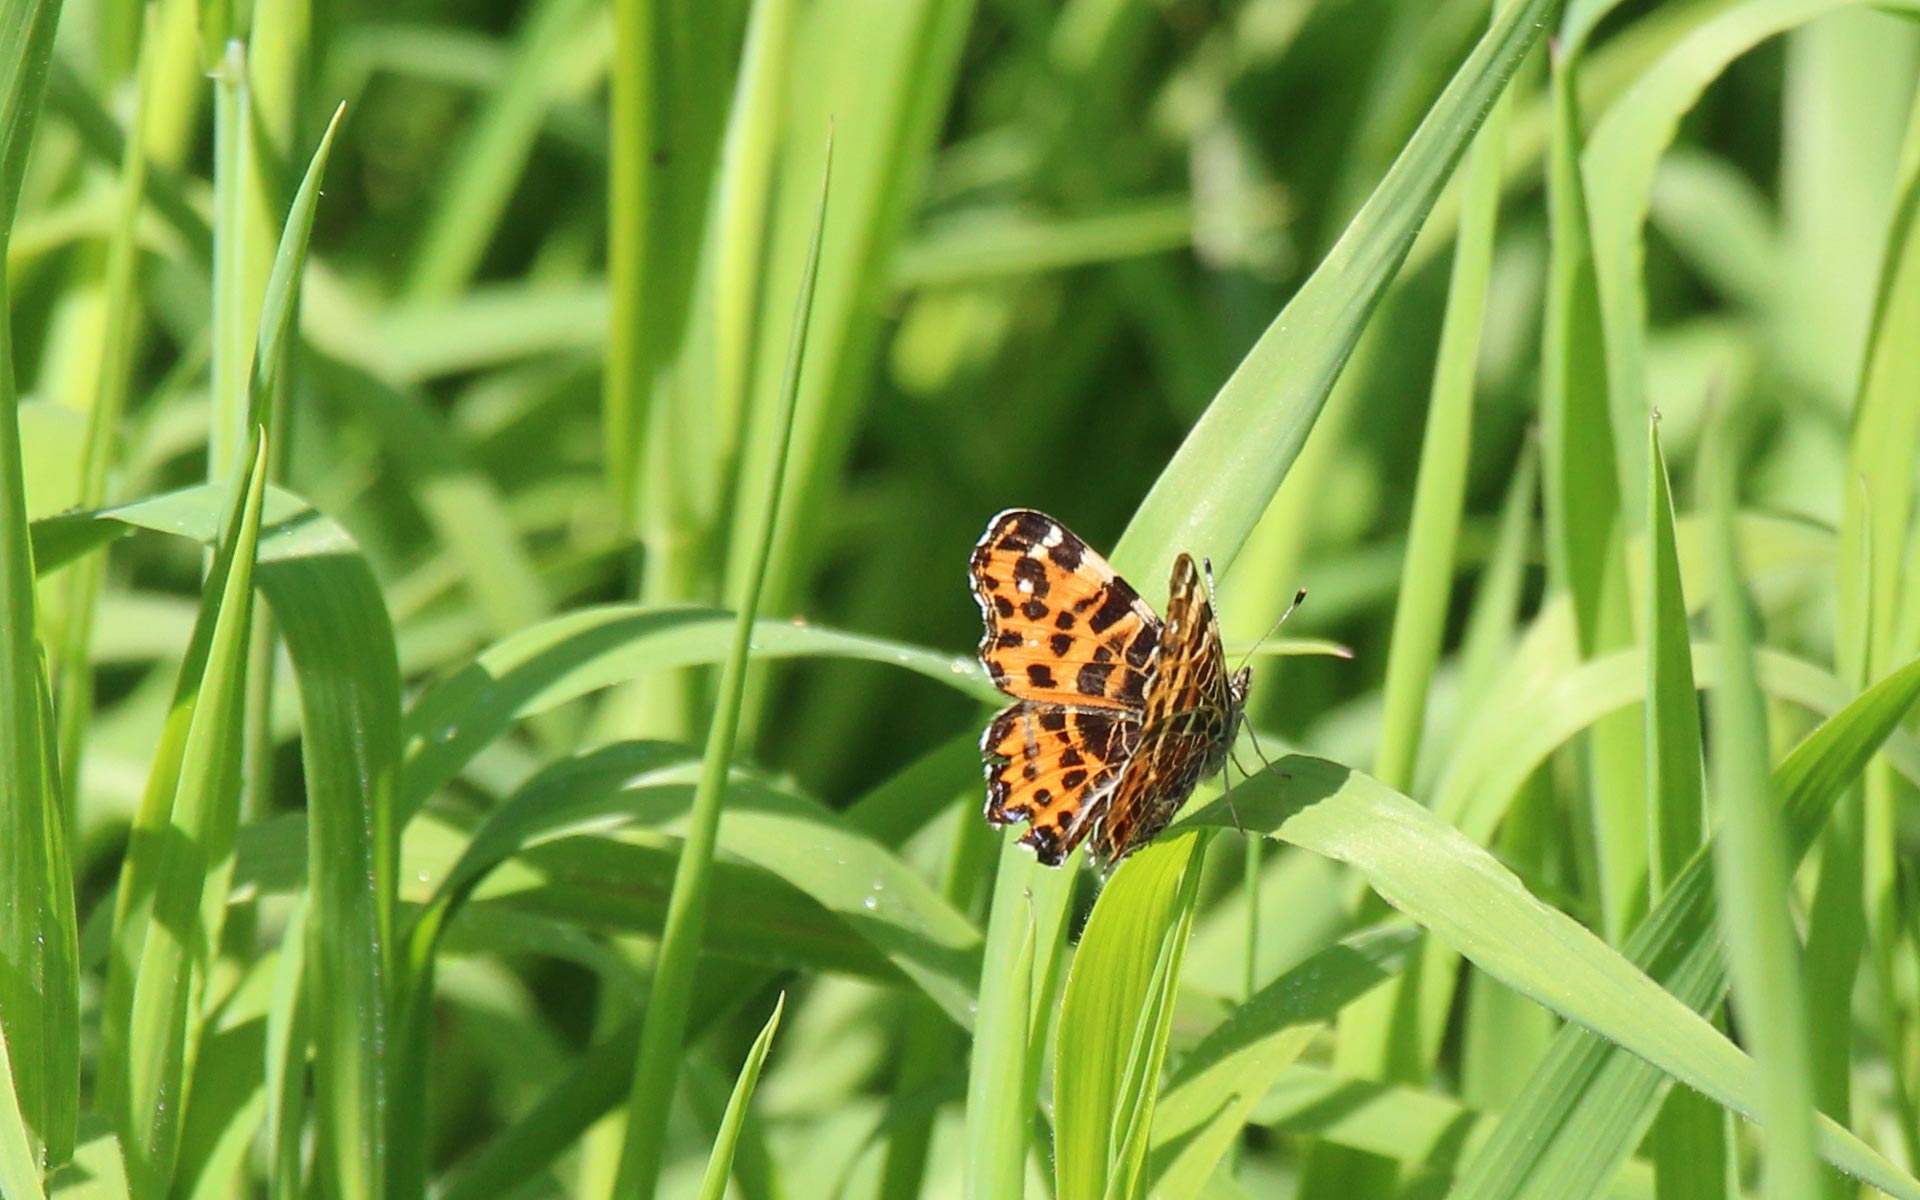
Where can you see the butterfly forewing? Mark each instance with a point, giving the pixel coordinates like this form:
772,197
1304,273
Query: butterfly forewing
1061,626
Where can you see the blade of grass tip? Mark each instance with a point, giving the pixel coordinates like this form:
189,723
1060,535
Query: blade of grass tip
238,244
39,992
657,1065
1226,470
1584,504
279,303
1750,868
175,883
720,1162
1673,706
1688,1141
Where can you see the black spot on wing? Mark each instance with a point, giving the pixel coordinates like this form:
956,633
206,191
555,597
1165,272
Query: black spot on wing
1060,643
1027,570
1092,680
1033,609
1039,675
1114,608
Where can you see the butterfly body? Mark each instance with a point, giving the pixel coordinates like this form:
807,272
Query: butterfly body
1117,714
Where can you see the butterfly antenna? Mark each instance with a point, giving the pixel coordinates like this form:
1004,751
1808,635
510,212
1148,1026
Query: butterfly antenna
1274,628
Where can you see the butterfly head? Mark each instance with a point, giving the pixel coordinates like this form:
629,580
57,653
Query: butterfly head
1237,684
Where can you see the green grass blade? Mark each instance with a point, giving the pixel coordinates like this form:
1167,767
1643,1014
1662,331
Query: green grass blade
1688,1140
1004,1069
720,1163
661,1042
1588,1103
19,1148
1463,896
73,678
1433,529
173,889
1113,1021
278,307
39,992
1619,164
1673,710
286,1061
1227,468
1242,1057
1752,874
239,269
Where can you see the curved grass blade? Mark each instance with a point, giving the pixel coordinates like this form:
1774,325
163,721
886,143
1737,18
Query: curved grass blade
1618,165
661,1041
1220,1081
1467,899
1752,871
1588,1103
39,990
325,597
720,1163
173,892
797,840
1113,1024
1220,480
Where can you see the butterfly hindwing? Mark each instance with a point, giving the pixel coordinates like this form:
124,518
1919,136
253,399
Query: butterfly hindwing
1054,767
1061,627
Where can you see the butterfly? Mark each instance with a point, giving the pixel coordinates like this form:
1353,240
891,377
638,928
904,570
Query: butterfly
1117,715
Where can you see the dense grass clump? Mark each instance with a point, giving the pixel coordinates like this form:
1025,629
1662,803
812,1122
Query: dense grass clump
487,699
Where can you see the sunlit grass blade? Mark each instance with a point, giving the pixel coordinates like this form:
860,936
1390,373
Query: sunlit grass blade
1384,1035
1860,894
1227,468
720,1163
1463,896
1113,1025
39,991
1673,710
1751,869
240,241
1588,1103
661,1043
1688,1141
1243,1056
1420,612
174,885
19,1154
278,307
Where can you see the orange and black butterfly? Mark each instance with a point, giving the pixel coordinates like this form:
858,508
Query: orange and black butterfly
1117,715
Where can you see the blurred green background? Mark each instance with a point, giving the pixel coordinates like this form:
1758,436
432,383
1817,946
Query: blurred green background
379,888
